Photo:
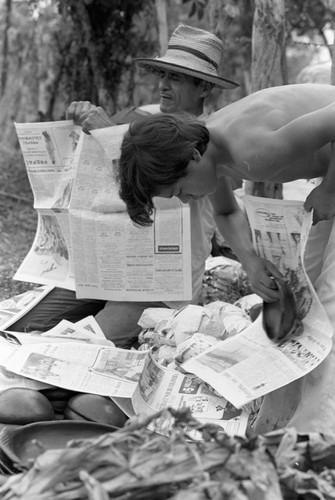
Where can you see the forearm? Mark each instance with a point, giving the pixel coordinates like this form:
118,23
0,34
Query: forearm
322,199
235,229
329,179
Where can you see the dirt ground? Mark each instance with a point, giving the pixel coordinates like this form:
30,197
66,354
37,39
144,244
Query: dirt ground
17,224
17,233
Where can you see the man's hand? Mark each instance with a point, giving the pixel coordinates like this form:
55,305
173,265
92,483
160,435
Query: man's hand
260,272
88,115
322,200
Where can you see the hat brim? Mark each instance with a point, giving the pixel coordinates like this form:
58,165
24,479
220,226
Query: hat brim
148,63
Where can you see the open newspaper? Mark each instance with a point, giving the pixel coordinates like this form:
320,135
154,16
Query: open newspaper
86,330
250,365
15,307
85,240
66,357
74,357
160,388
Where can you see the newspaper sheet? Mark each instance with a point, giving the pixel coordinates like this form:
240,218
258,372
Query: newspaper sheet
9,379
125,405
49,151
130,263
85,240
91,325
160,388
86,330
65,331
79,366
250,365
17,306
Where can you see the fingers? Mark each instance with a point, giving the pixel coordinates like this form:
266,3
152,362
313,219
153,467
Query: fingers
265,286
268,294
308,206
78,111
315,219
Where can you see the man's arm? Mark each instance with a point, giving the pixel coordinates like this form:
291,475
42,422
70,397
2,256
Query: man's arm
234,226
88,115
322,198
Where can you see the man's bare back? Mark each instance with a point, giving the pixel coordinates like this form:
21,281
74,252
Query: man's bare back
259,135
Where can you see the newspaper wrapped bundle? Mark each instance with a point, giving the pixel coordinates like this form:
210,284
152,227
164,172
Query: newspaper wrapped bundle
134,463
225,280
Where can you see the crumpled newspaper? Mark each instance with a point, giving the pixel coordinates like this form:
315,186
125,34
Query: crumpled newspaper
193,328
225,280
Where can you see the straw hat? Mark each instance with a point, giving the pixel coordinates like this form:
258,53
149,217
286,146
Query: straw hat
194,52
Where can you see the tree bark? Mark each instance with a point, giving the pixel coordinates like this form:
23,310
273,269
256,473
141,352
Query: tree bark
268,67
332,73
5,48
83,21
162,25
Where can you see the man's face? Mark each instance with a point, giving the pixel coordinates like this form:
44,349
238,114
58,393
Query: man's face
179,92
200,181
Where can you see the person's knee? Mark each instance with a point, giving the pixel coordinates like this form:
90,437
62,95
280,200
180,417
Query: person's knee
119,321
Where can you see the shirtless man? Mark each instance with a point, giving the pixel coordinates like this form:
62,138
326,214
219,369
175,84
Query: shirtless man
278,134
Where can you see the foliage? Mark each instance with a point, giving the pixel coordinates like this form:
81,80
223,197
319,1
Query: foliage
303,17
105,38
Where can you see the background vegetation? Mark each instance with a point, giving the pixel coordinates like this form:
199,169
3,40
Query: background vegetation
55,51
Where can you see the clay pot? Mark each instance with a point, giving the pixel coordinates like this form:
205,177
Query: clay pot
24,406
94,408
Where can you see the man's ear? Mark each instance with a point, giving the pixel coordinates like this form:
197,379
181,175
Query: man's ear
206,89
196,155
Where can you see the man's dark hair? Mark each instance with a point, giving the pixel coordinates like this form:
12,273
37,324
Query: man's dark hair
155,152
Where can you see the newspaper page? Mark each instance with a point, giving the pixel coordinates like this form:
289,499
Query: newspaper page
160,388
17,306
9,379
116,260
49,153
80,366
65,331
85,240
125,405
86,330
250,365
92,326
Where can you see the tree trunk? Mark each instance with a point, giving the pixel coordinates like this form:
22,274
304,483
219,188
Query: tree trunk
162,25
5,48
84,24
332,74
268,67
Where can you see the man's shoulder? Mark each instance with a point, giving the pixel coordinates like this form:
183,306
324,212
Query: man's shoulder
152,109
127,115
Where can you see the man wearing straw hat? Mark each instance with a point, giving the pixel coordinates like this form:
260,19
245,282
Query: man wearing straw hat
187,73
